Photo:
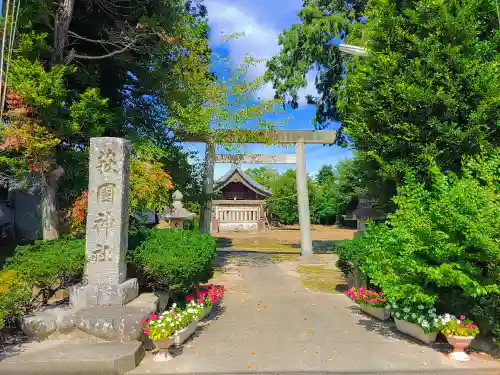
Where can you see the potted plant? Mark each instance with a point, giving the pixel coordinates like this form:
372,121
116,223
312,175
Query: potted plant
418,321
370,301
207,297
460,333
172,327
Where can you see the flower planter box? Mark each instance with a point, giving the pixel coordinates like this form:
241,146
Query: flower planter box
185,333
207,310
163,346
378,312
415,331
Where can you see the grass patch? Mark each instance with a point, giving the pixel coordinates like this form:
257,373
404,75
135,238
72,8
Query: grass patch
282,257
321,279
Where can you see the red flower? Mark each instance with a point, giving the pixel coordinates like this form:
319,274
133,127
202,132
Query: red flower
461,325
189,298
195,286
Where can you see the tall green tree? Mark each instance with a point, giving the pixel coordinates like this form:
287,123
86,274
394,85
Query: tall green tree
427,92
263,175
325,174
67,81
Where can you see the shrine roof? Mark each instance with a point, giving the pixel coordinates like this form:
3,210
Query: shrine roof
235,174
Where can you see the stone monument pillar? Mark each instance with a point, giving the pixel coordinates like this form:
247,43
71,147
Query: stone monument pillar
105,282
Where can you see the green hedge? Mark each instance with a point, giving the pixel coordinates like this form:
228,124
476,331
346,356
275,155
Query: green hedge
175,258
49,265
439,247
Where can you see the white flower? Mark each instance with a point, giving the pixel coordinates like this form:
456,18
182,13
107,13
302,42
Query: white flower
174,305
394,305
458,321
425,323
171,324
420,307
406,309
398,315
405,317
420,318
413,315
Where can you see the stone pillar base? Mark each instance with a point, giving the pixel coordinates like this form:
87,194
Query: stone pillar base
103,295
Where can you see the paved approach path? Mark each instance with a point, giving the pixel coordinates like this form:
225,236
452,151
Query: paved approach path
271,324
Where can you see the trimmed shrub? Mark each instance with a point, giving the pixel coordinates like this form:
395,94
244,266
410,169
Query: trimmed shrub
175,258
14,294
49,266
439,247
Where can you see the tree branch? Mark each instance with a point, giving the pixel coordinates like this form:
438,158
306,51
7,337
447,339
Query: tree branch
116,52
100,41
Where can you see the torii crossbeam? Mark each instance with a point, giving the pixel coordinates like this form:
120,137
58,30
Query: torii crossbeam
297,137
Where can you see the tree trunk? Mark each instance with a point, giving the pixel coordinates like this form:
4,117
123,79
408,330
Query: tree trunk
50,219
61,26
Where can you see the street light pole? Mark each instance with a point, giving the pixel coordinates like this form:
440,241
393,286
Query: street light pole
353,50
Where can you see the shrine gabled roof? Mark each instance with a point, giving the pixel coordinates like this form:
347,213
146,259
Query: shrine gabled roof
235,174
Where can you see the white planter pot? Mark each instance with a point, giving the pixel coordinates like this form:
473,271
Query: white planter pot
378,312
459,343
185,333
163,346
415,331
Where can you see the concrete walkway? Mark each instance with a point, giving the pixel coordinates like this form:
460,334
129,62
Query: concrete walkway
271,324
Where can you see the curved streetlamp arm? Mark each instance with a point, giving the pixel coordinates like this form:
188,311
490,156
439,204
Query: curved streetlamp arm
353,50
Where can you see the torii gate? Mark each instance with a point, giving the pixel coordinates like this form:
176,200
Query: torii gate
297,137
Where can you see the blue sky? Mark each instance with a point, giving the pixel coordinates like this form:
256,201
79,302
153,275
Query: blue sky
262,21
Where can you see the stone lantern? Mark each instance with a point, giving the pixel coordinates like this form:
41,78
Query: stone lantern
176,216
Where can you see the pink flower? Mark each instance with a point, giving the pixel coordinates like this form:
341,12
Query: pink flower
172,312
473,326
189,298
381,294
461,325
462,317
195,286
143,321
146,331
153,317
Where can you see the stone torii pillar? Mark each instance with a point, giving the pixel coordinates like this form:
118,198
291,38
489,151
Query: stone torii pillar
303,200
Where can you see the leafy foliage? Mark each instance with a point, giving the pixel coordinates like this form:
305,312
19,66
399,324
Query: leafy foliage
49,265
175,258
441,244
14,293
460,327
429,90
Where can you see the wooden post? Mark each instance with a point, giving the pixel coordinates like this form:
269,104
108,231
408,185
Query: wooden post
206,208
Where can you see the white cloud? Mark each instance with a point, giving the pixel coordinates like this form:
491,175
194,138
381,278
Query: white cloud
260,39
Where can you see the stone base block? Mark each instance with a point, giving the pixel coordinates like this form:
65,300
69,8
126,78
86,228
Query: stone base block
112,323
76,359
103,295
44,323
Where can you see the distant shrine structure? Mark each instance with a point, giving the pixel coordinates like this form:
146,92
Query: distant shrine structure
239,203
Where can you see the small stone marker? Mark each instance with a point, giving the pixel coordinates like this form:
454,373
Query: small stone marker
106,245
